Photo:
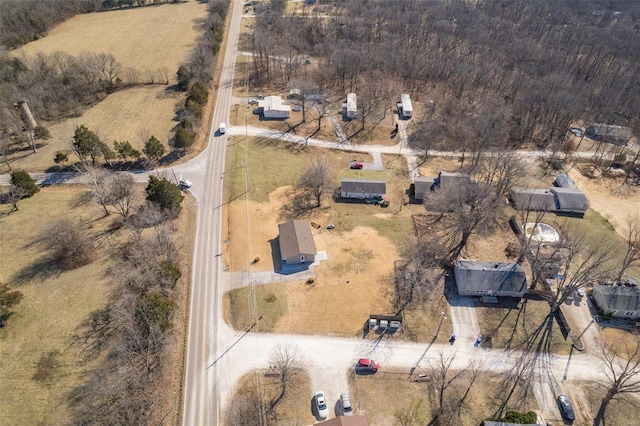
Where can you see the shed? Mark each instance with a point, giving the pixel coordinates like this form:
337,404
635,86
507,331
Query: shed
617,135
618,300
489,279
406,108
296,242
362,188
532,199
448,180
570,201
564,181
422,186
272,107
351,106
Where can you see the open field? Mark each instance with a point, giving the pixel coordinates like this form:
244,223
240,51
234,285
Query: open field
132,114
55,303
151,40
144,38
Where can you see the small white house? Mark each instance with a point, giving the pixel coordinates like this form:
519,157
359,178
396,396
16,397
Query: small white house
272,107
405,107
351,106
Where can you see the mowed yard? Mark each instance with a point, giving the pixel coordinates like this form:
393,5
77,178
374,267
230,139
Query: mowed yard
151,40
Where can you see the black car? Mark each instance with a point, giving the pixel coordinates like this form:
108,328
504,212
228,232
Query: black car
566,409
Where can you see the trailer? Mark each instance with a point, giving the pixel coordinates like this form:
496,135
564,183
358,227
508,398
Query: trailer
351,106
404,107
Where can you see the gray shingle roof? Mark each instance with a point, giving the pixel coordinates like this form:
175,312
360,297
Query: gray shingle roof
533,199
448,180
364,186
570,200
423,186
296,239
619,298
490,276
564,181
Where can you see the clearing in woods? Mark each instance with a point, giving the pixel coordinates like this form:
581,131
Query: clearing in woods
151,40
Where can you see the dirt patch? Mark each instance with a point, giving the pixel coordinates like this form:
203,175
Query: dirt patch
605,195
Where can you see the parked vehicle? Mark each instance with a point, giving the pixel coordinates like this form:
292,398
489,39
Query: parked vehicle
253,101
580,292
223,128
347,410
577,131
184,183
365,365
566,409
321,405
356,165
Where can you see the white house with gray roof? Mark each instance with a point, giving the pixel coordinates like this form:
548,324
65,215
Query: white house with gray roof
362,188
489,279
619,301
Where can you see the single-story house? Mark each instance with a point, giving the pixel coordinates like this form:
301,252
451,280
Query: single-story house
570,201
422,186
448,180
616,135
272,107
618,301
351,106
296,242
489,279
533,199
362,188
564,181
355,420
405,107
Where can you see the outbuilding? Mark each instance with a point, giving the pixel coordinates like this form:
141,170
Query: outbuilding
296,242
363,188
489,279
617,135
422,186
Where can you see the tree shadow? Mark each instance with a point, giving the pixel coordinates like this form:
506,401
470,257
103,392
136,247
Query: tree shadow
40,270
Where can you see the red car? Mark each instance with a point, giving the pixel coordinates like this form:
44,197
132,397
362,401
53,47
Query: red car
356,165
365,365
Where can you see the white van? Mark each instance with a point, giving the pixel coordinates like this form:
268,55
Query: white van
223,128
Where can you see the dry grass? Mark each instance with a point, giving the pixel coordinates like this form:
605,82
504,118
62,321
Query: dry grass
54,305
618,412
144,38
293,409
137,40
45,364
372,395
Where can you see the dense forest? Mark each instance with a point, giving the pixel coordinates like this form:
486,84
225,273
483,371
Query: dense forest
524,70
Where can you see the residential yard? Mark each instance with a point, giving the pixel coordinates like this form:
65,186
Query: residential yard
40,363
355,282
618,412
415,400
293,409
131,114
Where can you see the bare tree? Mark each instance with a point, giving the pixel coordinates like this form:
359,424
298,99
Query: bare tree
70,244
632,237
121,194
289,363
470,207
623,374
583,262
501,169
316,179
100,182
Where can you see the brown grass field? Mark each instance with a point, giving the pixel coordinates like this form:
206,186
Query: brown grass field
55,303
148,39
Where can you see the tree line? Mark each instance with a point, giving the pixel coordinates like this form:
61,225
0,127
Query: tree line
534,66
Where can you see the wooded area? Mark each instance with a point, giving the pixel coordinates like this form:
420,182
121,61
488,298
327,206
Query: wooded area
524,70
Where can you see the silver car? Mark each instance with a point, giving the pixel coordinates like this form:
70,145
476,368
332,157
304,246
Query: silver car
321,405
347,410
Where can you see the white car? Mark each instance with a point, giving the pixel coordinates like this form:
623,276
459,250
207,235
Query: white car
184,183
321,405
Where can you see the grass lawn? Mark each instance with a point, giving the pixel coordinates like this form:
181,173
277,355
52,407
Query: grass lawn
293,409
618,412
370,395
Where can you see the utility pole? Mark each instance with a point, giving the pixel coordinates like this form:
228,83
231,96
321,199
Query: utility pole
235,343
